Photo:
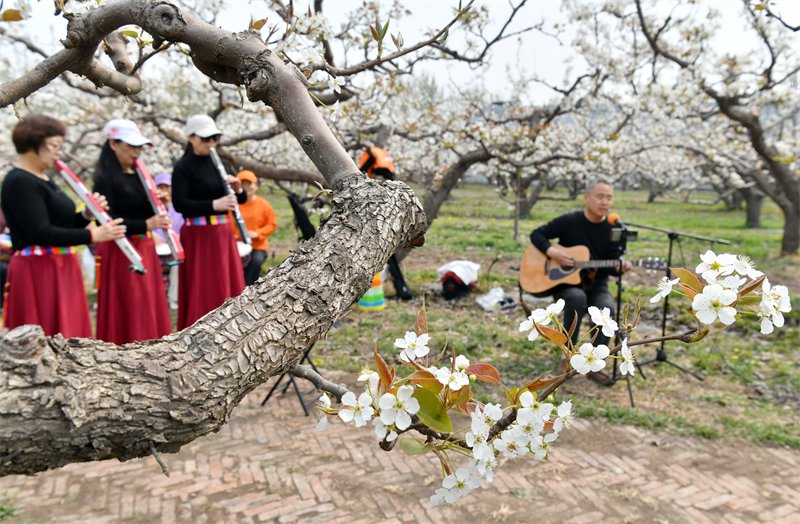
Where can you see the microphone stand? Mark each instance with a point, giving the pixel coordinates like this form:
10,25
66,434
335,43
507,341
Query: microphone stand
661,352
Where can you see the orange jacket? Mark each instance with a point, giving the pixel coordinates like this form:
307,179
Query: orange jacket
259,217
375,158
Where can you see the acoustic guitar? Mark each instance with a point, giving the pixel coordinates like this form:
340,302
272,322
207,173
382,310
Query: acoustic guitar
538,274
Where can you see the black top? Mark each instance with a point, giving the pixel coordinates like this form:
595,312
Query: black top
574,229
196,183
39,213
127,199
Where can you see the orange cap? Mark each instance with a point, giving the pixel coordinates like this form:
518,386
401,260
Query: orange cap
247,176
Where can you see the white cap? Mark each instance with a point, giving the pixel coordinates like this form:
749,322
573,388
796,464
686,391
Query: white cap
125,130
202,126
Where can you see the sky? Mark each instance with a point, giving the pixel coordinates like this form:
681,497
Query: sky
532,52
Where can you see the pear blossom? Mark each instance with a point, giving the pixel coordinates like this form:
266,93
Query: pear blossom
628,365
589,358
540,447
412,346
454,380
481,449
541,317
486,467
603,319
336,111
745,267
774,302
714,265
511,442
324,403
715,302
372,379
335,84
564,416
733,282
664,287
461,363
358,410
382,431
465,480
398,409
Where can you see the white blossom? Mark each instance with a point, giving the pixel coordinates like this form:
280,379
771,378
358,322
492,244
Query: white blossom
564,416
714,265
511,442
603,319
384,432
589,358
745,267
357,410
664,287
398,409
628,365
454,380
541,317
324,403
715,302
412,346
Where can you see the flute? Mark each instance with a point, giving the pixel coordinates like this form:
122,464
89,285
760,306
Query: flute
174,243
101,216
240,225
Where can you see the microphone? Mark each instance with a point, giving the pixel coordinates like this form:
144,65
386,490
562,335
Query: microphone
614,220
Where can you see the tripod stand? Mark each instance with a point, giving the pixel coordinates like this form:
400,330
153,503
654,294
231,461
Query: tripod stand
661,352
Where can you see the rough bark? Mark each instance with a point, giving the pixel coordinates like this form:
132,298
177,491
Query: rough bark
74,400
64,401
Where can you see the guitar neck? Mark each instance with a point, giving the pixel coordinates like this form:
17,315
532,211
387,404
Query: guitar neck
589,264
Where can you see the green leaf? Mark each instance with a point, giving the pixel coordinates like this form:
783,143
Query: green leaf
413,446
384,29
258,24
511,395
432,412
374,34
131,33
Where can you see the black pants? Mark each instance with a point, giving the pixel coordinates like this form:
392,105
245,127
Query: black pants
577,301
253,270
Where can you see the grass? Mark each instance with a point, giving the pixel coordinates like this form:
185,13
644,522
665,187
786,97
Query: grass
752,386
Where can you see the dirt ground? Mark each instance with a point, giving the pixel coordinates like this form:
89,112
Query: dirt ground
270,465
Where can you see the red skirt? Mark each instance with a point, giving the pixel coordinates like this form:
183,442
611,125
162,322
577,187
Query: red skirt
211,273
130,306
47,290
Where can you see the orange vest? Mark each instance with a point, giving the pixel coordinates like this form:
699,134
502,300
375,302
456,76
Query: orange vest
375,158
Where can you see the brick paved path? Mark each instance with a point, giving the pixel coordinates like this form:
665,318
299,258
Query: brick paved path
269,465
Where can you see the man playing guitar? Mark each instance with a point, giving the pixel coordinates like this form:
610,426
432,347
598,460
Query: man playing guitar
589,228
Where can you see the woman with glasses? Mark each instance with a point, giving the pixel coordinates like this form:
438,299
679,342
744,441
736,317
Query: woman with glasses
45,285
212,271
130,306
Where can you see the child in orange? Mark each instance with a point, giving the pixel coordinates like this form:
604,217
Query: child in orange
261,223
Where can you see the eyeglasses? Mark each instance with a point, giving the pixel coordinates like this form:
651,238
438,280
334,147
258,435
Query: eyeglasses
212,138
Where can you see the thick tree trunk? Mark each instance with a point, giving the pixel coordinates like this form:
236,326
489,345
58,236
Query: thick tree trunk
441,188
754,202
74,400
64,401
